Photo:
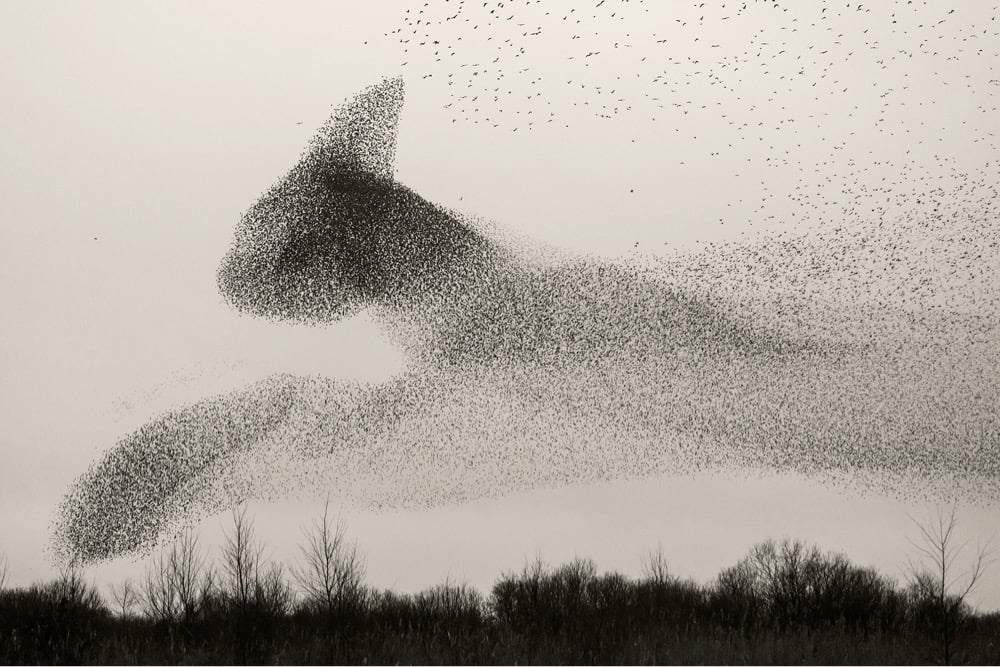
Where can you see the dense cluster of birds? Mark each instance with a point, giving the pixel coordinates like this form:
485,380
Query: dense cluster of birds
338,233
529,367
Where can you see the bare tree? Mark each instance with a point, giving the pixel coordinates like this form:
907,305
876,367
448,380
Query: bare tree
125,597
157,593
72,590
208,589
176,580
186,564
333,571
655,567
938,575
272,594
249,586
241,561
3,571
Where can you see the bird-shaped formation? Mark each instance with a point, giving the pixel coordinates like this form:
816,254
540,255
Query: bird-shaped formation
531,368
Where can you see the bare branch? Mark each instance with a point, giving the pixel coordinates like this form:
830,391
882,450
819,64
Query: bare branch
125,597
939,579
655,566
332,571
241,560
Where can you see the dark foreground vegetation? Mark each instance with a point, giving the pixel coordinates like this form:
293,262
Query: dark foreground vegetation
785,602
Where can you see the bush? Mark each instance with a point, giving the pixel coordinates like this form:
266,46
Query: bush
52,623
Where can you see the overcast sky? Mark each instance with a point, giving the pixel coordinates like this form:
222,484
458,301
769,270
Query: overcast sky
134,135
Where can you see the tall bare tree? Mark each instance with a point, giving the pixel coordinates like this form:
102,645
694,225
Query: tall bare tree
175,582
333,571
242,557
3,570
156,594
186,562
946,570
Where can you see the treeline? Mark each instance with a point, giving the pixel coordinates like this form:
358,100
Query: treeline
784,602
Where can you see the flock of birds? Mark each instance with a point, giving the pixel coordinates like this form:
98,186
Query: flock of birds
864,352
864,134
521,63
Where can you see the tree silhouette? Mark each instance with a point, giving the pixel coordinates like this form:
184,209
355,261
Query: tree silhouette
333,571
937,576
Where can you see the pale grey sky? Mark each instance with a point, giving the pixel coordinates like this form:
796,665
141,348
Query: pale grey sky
134,134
